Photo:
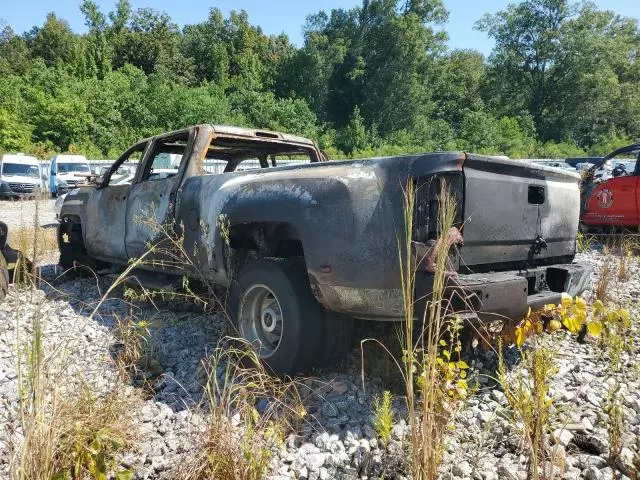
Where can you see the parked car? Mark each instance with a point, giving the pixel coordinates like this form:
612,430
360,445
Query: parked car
20,176
575,161
611,191
612,168
306,248
67,172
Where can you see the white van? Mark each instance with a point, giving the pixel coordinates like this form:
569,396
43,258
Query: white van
67,172
20,176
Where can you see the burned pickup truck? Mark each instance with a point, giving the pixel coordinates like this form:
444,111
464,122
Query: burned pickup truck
306,245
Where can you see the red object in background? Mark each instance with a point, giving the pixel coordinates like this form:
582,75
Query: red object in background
613,202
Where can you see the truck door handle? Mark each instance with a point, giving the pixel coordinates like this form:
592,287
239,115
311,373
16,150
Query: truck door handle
628,188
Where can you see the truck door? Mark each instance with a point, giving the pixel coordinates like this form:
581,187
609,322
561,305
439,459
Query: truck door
149,203
104,225
614,202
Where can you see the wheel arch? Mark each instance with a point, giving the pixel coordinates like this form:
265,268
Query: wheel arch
244,242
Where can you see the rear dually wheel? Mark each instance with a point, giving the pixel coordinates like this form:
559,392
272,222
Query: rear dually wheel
275,312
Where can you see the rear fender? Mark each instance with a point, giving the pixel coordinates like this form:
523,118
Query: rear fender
319,213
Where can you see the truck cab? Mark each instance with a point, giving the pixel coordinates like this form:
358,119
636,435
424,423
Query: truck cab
67,172
20,176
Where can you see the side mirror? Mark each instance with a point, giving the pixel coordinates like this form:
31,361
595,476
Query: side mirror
95,180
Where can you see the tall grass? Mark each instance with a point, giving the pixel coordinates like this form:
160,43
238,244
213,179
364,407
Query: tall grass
603,284
584,242
34,244
239,439
422,359
64,430
527,393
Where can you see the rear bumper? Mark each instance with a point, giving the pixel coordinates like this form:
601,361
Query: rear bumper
511,294
494,295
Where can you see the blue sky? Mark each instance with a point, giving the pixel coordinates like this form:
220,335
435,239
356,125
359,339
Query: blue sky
275,16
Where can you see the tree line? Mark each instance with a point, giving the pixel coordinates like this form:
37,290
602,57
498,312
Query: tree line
562,80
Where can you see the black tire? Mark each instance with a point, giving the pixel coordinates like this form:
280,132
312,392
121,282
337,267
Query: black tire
299,314
337,339
73,255
4,278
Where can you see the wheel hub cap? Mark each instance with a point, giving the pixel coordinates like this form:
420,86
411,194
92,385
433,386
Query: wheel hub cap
261,319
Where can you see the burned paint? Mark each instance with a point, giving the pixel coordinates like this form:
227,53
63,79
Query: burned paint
344,214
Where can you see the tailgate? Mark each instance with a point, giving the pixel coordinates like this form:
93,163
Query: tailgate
512,209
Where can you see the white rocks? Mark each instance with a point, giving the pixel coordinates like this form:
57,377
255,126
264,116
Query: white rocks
562,436
329,410
627,455
508,471
498,396
462,470
315,460
339,441
399,430
585,461
586,424
486,417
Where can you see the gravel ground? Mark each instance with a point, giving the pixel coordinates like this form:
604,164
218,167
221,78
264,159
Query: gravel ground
339,440
21,213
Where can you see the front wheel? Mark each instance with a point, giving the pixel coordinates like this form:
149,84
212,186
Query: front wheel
275,312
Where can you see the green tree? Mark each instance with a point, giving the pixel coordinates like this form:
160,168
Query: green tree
98,53
204,43
378,57
149,35
264,110
567,65
458,85
14,53
355,136
15,134
513,138
479,132
307,72
246,48
120,16
55,43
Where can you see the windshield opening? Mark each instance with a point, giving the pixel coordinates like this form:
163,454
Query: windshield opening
15,169
73,167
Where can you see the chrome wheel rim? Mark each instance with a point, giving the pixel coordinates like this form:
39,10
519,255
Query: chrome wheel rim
261,319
